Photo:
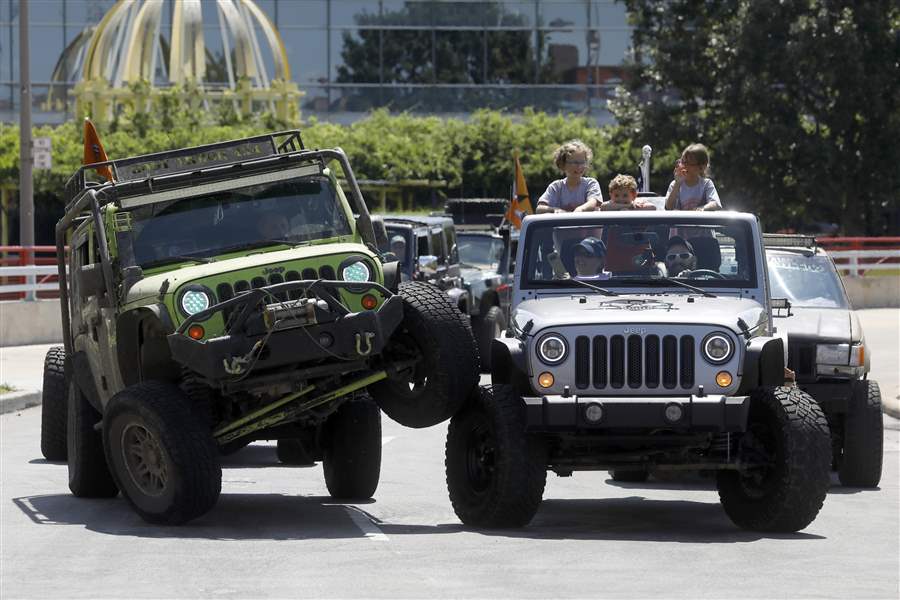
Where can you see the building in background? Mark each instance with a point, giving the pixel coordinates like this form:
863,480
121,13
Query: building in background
348,57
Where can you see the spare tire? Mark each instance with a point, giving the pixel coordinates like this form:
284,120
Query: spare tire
477,211
435,332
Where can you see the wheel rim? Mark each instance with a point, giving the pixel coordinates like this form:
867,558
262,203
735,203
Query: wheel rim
144,459
758,448
407,348
480,458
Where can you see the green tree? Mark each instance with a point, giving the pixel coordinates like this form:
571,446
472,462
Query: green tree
797,101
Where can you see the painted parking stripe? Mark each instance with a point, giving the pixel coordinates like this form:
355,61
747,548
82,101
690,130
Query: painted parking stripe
365,524
387,438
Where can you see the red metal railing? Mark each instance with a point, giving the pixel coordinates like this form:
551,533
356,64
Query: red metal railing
20,256
859,255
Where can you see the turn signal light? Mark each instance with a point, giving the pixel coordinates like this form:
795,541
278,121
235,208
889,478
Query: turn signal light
369,302
196,332
723,379
545,379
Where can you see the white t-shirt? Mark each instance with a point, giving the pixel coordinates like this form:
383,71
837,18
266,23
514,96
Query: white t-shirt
694,196
558,194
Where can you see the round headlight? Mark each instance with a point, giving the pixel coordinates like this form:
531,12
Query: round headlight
717,348
356,272
552,349
194,301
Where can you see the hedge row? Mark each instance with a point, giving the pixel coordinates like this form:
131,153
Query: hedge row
474,156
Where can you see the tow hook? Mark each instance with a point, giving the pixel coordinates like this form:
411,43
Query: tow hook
364,343
236,365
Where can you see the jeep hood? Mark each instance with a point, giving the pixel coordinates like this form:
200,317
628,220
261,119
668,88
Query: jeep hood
835,324
151,285
587,309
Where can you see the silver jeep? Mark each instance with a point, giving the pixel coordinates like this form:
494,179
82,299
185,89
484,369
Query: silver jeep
641,341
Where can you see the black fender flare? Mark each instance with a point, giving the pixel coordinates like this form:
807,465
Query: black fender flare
509,364
128,331
763,364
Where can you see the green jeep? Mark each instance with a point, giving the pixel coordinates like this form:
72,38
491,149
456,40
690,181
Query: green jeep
229,293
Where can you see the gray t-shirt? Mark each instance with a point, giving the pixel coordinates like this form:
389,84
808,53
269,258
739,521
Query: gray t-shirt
694,196
558,194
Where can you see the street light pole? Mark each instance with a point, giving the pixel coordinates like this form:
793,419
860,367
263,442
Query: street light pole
26,189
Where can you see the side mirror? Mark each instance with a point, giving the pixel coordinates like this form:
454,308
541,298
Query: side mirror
90,281
428,264
780,304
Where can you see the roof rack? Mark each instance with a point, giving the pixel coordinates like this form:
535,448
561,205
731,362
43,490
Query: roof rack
184,160
790,240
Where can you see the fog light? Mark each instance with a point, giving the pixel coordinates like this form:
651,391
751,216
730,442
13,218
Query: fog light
369,302
593,413
326,340
723,378
195,332
674,412
545,379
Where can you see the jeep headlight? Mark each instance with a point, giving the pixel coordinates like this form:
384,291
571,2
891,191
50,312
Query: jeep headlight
717,348
552,349
833,354
356,272
195,300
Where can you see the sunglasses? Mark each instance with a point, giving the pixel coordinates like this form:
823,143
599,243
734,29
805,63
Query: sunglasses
681,255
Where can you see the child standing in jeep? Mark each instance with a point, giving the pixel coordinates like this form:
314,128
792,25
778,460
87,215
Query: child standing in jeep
574,192
692,189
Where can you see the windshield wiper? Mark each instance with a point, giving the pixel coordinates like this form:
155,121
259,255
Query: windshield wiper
676,282
177,258
597,288
258,244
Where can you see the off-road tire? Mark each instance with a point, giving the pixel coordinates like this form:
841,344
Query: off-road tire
477,211
860,462
629,475
495,471
54,405
486,328
434,330
789,428
352,457
154,421
292,452
89,476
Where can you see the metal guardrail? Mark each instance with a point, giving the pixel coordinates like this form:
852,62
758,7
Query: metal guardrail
37,278
855,256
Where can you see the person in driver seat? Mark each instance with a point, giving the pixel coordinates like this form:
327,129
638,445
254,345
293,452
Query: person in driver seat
680,257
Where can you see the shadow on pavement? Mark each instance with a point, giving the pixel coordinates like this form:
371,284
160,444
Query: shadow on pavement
235,517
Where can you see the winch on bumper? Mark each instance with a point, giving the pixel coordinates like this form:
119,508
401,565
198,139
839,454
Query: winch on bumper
263,331
714,413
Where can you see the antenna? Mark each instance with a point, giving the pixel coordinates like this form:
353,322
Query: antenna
646,151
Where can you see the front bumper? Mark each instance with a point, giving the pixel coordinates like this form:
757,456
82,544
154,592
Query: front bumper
355,335
715,413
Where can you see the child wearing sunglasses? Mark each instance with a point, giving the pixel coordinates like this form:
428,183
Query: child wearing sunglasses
574,192
692,189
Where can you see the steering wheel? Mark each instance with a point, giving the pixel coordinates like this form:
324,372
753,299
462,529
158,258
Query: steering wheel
698,273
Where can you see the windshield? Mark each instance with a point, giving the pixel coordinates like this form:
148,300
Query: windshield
807,281
482,251
285,212
640,253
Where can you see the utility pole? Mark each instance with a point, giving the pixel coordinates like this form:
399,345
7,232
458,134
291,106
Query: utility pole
26,189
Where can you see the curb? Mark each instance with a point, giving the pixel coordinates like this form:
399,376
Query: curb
13,401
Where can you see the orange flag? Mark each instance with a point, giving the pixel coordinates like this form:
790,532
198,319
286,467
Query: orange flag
520,204
94,152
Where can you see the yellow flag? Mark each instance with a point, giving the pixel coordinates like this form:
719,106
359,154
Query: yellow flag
520,204
93,150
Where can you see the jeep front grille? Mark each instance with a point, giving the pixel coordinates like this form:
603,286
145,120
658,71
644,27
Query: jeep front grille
227,291
634,361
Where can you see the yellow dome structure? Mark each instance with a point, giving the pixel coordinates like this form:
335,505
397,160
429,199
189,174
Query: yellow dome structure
126,58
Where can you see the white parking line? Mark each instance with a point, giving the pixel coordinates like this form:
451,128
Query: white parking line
365,524
387,438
